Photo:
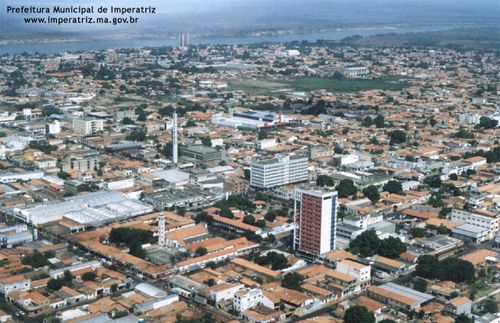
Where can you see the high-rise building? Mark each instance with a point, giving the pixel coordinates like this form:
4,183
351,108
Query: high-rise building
183,40
174,140
283,170
315,221
87,126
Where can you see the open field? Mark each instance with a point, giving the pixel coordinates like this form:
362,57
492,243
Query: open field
310,83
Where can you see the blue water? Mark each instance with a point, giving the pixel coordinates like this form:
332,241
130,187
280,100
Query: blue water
48,48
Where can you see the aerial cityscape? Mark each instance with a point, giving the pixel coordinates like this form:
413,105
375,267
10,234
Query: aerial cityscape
332,180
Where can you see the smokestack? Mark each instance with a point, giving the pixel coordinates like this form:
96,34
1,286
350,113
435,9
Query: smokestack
174,139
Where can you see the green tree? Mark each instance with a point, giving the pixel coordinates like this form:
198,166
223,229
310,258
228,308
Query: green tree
261,223
346,188
263,134
462,318
426,266
89,276
366,244
391,247
226,213
135,249
249,219
358,314
293,281
206,141
371,192
55,284
201,252
367,122
67,277
417,232
324,180
397,137
420,285
379,121
489,306
394,187
63,175
487,123
433,181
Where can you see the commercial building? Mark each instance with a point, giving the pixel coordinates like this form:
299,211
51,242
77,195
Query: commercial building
251,119
399,297
353,268
358,71
200,153
283,170
87,126
485,220
90,210
315,221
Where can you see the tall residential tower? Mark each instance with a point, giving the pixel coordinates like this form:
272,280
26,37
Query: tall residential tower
315,221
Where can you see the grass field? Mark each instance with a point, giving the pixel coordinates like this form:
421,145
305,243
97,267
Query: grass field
309,83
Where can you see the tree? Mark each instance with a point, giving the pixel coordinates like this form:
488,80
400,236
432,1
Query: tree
249,219
261,223
453,177
206,141
55,284
397,137
67,277
293,281
420,285
135,249
433,181
35,260
487,123
63,175
417,232
137,135
226,213
371,192
379,121
394,187
190,123
89,276
346,188
201,252
358,314
271,215
324,180
391,247
263,134
209,282
489,306
367,122
426,266
247,174
366,244
435,200
462,318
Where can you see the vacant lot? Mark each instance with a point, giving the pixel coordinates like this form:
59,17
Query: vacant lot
306,83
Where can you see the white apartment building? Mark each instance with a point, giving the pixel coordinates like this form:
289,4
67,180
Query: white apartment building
14,283
469,118
87,126
483,220
245,299
357,71
280,171
353,268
